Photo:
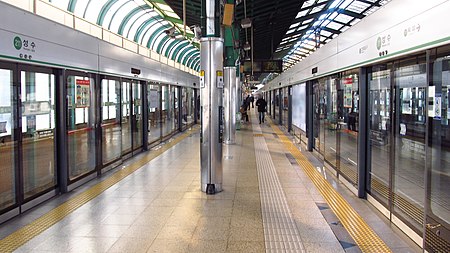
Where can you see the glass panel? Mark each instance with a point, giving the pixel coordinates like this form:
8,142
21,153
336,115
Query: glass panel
111,128
80,125
154,113
320,114
137,115
166,124
408,174
175,106
380,131
126,120
285,106
438,198
348,111
330,120
37,133
7,140
190,105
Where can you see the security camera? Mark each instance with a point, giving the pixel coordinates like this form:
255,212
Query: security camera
170,32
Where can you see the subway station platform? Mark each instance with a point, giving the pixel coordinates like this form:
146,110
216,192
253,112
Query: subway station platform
276,198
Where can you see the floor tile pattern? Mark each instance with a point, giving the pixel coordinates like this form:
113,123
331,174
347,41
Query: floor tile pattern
280,231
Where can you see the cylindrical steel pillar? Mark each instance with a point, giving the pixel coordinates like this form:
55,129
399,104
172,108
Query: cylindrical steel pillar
229,104
211,92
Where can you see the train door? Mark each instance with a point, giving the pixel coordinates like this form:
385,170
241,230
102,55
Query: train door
27,136
81,124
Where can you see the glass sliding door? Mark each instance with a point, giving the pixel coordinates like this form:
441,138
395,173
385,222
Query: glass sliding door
137,115
38,131
438,173
380,121
126,118
8,140
285,107
166,114
111,128
347,125
80,124
154,113
175,106
320,114
409,139
329,120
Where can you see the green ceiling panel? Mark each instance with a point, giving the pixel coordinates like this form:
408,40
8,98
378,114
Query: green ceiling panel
183,52
178,48
173,20
71,6
188,57
155,35
118,9
192,61
161,44
106,7
170,47
130,15
143,27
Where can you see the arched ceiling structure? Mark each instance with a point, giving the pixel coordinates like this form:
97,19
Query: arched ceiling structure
144,22
289,29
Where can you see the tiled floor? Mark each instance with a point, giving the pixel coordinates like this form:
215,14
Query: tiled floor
160,208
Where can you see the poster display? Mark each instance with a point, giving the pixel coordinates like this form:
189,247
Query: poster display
348,84
299,106
82,93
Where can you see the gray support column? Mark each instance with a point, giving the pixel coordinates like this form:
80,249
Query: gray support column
229,104
310,115
211,90
363,133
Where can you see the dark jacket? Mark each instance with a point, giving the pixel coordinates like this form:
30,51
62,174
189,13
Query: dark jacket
261,104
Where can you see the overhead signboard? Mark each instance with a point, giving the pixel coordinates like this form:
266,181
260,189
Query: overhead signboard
263,66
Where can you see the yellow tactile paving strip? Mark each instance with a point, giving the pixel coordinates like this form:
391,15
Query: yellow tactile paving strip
28,232
366,239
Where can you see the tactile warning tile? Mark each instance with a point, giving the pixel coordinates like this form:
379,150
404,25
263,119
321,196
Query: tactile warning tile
366,239
280,231
28,232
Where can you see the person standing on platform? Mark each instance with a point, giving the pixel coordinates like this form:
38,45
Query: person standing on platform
247,101
261,104
252,99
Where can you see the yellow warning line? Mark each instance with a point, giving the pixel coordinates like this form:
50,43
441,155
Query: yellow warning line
364,236
28,232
